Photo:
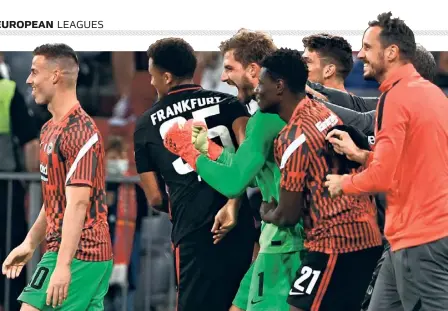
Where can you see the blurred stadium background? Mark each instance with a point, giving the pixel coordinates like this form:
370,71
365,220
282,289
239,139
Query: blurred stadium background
114,88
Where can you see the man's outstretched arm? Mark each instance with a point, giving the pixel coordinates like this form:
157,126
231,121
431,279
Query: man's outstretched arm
344,99
232,179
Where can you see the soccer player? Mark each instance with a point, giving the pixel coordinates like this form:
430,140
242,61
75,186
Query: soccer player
74,272
329,59
266,285
207,275
360,111
408,167
425,65
343,241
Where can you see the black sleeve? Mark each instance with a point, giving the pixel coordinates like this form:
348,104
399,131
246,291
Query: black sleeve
143,154
344,99
363,121
23,122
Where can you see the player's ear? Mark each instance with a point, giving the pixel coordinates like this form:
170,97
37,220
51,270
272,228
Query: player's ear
167,78
329,71
280,86
253,70
56,76
391,52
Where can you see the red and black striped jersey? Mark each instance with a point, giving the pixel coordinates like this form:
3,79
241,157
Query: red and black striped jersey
342,224
72,153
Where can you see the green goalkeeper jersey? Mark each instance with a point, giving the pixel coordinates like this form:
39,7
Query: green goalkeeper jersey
253,163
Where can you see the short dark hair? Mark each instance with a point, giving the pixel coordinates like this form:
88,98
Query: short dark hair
425,63
395,31
336,48
56,51
287,64
249,46
174,55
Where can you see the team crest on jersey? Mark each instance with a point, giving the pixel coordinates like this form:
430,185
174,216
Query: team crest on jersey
50,148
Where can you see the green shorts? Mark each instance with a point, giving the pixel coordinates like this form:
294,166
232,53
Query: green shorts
266,284
89,284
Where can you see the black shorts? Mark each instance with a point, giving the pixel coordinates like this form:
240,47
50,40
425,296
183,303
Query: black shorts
208,275
333,282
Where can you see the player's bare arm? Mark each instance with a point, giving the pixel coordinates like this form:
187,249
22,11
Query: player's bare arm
19,256
152,191
287,212
78,201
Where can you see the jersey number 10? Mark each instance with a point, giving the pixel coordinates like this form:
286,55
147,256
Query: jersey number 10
218,131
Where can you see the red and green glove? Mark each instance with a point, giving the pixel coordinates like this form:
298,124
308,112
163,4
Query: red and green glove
190,140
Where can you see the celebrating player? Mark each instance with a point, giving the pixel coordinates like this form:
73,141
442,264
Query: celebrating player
74,272
412,114
344,235
208,275
329,59
266,285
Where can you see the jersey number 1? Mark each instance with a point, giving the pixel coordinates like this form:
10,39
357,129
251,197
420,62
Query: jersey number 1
218,131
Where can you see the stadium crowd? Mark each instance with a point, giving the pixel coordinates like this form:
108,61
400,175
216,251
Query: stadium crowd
308,176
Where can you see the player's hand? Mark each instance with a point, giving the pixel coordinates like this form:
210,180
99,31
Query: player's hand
343,144
315,93
225,220
266,207
334,184
178,140
57,290
16,260
199,137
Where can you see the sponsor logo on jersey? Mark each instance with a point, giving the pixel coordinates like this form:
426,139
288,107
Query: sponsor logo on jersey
43,172
332,120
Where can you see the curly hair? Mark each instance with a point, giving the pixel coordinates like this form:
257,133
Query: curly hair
249,46
174,55
287,64
395,31
335,48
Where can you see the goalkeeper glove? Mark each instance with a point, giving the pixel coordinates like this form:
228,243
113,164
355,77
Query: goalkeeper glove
202,143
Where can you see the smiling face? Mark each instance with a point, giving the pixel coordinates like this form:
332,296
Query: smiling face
235,74
267,93
315,66
42,80
372,54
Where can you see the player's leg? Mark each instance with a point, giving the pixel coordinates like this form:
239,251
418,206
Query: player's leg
369,292
385,294
195,278
311,281
34,294
97,301
27,307
426,274
241,299
271,281
208,275
235,256
324,278
350,279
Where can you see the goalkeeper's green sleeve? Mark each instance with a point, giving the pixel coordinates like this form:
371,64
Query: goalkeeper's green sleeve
232,178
